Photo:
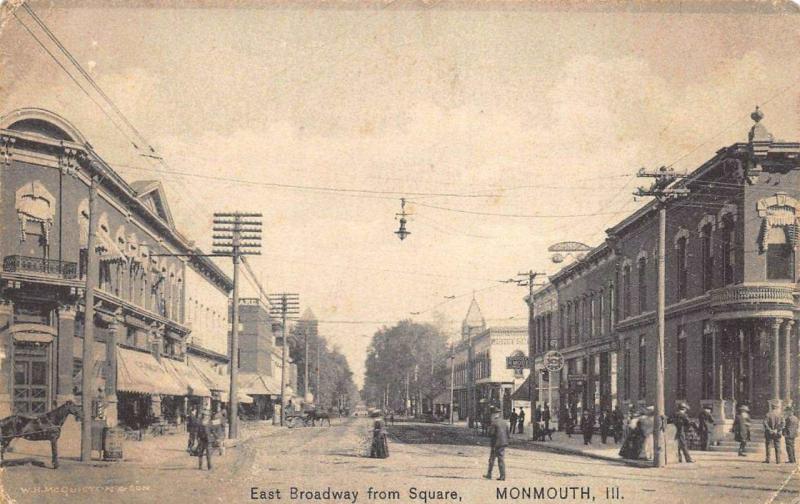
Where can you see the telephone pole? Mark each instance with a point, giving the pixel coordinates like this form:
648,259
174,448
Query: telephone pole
526,280
452,380
660,189
285,306
92,274
236,235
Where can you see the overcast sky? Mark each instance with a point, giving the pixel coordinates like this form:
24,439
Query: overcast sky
536,112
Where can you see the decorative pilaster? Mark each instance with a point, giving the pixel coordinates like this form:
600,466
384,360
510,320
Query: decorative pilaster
6,351
787,362
66,340
111,373
775,361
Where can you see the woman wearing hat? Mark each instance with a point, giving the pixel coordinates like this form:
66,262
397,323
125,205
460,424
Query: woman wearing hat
741,428
647,426
380,446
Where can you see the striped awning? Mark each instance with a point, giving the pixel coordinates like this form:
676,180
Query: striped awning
188,377
141,372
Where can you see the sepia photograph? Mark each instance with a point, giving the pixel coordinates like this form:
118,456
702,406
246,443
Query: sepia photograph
399,251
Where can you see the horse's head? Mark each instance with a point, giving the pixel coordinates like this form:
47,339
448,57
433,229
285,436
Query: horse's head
73,409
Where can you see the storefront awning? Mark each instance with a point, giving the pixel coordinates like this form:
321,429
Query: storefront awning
252,384
214,380
188,377
523,393
141,372
442,398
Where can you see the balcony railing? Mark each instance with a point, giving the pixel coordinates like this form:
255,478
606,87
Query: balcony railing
753,294
37,265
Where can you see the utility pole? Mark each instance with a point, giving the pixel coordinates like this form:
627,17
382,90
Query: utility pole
319,349
527,281
305,363
286,306
660,189
92,274
235,235
452,380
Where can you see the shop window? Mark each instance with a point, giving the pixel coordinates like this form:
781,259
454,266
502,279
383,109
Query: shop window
780,261
626,371
642,367
32,313
708,363
681,363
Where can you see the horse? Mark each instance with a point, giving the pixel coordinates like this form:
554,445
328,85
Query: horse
45,427
321,416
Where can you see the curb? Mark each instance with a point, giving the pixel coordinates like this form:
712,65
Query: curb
572,451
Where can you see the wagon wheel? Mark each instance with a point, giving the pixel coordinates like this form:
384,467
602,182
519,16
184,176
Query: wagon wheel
307,421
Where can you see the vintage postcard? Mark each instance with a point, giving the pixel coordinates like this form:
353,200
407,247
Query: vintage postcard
411,251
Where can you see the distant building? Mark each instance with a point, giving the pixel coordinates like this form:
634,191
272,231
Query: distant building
482,378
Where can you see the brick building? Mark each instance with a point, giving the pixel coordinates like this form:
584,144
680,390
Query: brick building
143,333
731,293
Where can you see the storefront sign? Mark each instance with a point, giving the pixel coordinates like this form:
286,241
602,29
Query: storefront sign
518,362
553,361
577,377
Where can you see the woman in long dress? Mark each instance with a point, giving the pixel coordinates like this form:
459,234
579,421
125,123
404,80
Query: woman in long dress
380,446
647,425
632,444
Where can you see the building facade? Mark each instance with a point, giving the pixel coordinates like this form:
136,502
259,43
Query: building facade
731,290
481,377
142,330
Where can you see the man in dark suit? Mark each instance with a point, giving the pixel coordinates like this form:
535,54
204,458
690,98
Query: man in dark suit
546,417
498,432
790,434
704,423
587,426
206,435
773,429
520,421
682,424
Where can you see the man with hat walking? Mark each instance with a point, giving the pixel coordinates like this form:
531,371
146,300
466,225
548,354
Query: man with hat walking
773,430
498,433
704,422
741,428
682,425
790,434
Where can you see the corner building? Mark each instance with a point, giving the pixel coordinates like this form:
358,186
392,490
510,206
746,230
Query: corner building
731,335
142,331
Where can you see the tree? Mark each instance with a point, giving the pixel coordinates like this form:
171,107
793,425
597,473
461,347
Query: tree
404,364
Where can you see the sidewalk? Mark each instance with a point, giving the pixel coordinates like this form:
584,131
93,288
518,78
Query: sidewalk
153,451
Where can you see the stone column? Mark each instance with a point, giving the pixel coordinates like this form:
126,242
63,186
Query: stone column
787,362
6,351
111,373
66,340
775,361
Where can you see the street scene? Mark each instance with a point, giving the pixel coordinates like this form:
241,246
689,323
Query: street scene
426,252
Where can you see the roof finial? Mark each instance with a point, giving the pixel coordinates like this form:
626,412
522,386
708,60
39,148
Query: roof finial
757,115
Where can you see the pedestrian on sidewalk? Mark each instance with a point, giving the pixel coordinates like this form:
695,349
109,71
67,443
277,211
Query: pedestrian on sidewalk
773,430
512,419
520,421
647,426
682,425
498,433
605,425
634,437
546,417
191,426
703,429
569,423
206,436
790,434
741,428
587,426
618,422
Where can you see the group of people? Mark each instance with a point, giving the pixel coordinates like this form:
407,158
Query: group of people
517,421
207,432
776,426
